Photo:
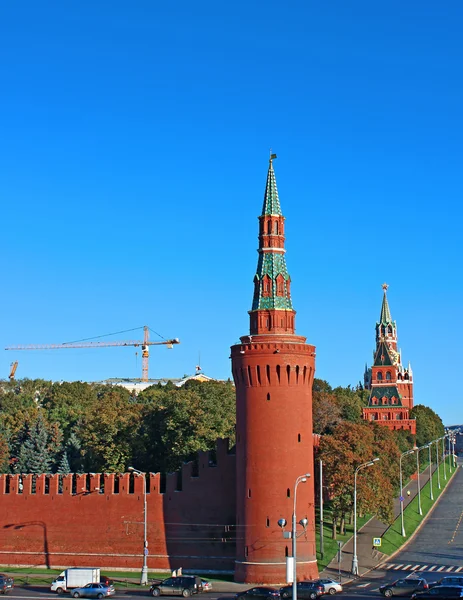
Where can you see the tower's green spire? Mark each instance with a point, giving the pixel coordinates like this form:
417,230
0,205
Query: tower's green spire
271,201
385,312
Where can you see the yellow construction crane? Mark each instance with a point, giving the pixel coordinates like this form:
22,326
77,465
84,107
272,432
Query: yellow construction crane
145,344
14,366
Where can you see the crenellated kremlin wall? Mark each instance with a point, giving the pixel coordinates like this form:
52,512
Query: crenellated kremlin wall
98,519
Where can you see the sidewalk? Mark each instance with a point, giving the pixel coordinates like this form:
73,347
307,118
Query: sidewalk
367,556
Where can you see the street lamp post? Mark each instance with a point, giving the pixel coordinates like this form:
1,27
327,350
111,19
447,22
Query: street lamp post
144,570
401,490
443,455
450,460
429,447
437,463
418,479
355,564
300,479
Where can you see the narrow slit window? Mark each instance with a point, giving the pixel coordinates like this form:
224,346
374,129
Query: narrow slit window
268,522
268,396
288,493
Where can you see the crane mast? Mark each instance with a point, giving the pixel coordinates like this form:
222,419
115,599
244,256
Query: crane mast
144,344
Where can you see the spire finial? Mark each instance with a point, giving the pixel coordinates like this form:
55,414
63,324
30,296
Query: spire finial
272,156
385,312
385,286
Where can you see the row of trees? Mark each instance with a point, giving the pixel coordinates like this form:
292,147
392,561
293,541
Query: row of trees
50,427
348,442
81,427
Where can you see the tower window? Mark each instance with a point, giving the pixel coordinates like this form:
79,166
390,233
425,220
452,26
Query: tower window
250,375
249,492
379,376
288,493
288,373
269,227
258,375
389,329
388,375
298,437
276,227
268,396
268,374
268,522
278,373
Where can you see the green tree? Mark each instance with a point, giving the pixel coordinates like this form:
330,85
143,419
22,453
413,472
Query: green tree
34,455
429,425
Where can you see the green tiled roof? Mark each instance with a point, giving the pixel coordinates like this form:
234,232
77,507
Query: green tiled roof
271,201
385,317
388,392
271,264
382,356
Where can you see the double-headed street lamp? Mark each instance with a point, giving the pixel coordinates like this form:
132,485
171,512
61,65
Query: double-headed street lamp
418,478
437,462
429,446
300,479
370,463
401,490
144,570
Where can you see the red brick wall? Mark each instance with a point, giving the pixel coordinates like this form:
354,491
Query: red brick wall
192,528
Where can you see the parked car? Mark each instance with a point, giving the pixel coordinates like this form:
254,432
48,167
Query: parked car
305,589
184,585
258,592
6,584
440,592
449,580
93,590
207,585
404,587
330,586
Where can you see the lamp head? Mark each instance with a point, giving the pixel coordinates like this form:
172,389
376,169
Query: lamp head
282,523
304,522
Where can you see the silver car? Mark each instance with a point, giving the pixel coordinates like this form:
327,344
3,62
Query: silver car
93,590
330,586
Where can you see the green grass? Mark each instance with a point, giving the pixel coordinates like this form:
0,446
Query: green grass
392,540
330,546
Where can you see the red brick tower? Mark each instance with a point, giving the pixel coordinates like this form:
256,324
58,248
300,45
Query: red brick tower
273,371
391,385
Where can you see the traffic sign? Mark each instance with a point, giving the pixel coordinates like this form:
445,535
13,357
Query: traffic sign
401,498
377,542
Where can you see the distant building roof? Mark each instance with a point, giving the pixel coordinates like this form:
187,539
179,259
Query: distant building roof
138,385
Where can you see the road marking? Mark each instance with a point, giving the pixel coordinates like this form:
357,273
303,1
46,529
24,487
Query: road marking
424,567
440,569
364,585
432,568
449,569
458,570
398,567
407,567
456,529
414,568
389,566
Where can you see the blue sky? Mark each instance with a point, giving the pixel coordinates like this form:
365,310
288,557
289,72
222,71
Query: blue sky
134,142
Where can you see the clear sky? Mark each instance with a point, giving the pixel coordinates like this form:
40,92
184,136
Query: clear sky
134,142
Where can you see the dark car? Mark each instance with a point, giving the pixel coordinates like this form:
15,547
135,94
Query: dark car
105,580
449,580
404,587
6,584
184,585
305,589
259,592
440,592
